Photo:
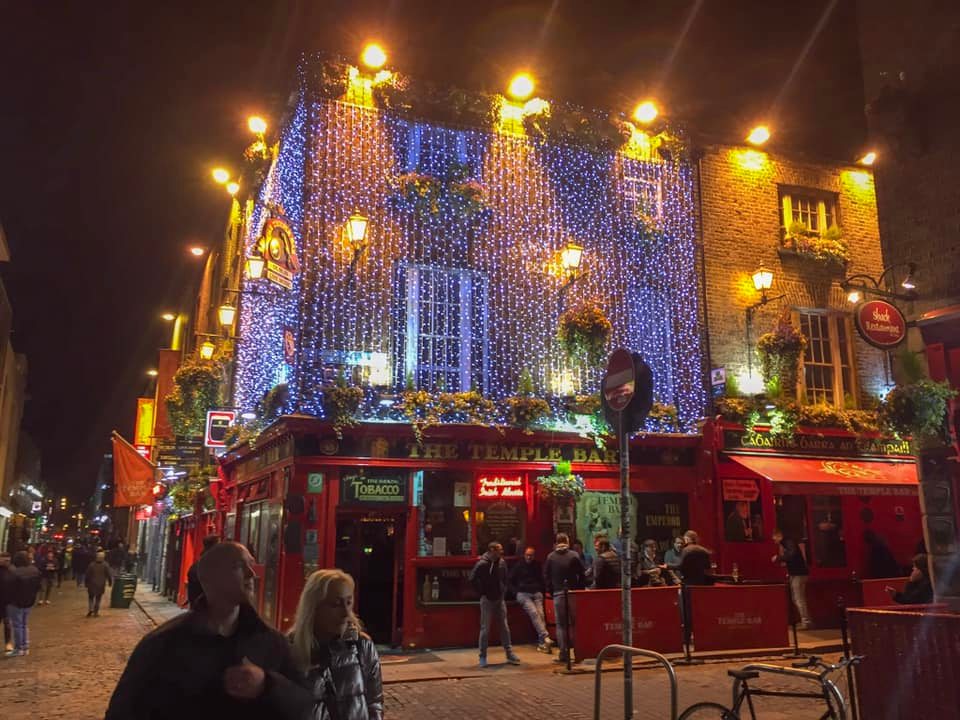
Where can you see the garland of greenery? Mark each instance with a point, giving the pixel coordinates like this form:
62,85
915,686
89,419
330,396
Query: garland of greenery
780,351
562,485
196,390
584,332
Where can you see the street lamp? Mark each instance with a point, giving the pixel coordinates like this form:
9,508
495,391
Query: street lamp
373,56
233,187
856,291
227,314
570,259
869,158
521,86
220,175
762,281
759,135
197,251
207,349
254,267
257,125
152,372
357,225
169,317
646,112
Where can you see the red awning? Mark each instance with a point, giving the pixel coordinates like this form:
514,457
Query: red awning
848,477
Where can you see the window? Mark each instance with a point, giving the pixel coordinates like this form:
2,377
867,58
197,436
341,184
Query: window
431,150
444,328
827,363
642,196
816,210
445,514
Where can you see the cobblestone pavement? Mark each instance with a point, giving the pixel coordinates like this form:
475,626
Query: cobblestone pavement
74,661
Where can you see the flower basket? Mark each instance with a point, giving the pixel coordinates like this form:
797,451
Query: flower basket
780,352
584,333
341,403
919,410
828,248
562,486
524,412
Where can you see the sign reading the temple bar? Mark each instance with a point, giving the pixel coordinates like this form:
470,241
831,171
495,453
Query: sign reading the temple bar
359,490
499,487
880,324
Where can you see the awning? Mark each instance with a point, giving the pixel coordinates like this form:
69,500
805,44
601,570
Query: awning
845,477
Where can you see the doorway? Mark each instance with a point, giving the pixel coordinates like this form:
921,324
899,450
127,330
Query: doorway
369,547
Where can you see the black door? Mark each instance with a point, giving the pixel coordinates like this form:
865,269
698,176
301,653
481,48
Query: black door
366,548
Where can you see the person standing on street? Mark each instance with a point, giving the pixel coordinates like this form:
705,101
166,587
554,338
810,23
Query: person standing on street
695,562
219,660
789,556
116,558
337,660
66,562
81,561
526,581
194,591
606,565
97,577
563,571
6,595
671,558
23,595
49,570
489,577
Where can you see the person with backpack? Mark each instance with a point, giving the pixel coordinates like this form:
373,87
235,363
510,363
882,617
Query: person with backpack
23,596
562,571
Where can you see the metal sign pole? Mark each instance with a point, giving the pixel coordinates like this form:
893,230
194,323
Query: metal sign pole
625,566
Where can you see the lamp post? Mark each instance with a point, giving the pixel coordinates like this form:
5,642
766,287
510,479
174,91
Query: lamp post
570,259
762,282
254,266
357,225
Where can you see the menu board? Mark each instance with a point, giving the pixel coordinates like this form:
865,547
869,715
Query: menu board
501,522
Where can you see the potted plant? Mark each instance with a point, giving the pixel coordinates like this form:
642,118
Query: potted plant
561,486
780,351
341,402
584,332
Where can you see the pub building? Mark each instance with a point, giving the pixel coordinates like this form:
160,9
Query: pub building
423,328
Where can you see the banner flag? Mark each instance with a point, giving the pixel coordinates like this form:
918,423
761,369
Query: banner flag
133,475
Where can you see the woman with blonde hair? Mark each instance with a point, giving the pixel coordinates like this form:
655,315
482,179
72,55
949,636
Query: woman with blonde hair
339,662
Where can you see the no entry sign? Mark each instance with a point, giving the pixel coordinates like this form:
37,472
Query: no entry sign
620,382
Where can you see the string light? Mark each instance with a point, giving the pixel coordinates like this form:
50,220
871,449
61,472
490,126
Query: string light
540,197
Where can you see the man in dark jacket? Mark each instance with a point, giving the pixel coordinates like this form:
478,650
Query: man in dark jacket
23,595
526,581
790,556
219,660
193,581
489,577
97,577
81,561
606,565
695,561
563,571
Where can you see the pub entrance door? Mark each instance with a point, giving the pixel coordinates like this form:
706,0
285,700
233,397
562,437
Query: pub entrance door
370,548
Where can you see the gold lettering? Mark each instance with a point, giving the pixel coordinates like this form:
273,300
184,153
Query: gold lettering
555,454
526,453
508,452
432,451
579,455
414,450
610,456
541,454
594,456
491,452
475,451
451,451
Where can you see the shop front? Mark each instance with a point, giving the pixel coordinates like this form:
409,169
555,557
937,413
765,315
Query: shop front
408,520
851,503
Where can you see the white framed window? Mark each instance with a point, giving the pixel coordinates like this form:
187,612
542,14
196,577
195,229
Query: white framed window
432,149
444,328
642,196
816,210
828,369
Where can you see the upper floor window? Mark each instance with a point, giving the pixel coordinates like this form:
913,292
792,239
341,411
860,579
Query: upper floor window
817,211
642,196
443,343
432,150
828,376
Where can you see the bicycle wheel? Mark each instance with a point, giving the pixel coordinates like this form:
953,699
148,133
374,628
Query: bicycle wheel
708,711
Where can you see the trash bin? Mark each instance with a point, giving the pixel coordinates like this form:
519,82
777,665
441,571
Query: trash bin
124,586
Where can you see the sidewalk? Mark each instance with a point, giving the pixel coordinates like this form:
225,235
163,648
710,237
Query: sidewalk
154,605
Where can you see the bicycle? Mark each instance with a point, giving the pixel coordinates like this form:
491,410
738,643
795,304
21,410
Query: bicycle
742,692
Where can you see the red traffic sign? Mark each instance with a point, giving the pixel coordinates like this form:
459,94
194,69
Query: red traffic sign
217,423
619,382
880,324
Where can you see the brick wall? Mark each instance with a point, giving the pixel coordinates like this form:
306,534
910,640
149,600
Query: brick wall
741,223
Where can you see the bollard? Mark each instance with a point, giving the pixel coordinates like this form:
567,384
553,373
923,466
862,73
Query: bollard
845,642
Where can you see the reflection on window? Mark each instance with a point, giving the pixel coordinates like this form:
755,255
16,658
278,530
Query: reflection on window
445,514
829,546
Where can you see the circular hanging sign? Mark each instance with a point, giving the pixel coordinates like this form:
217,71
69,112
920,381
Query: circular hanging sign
880,324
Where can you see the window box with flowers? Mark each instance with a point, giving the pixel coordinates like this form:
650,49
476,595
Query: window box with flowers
828,248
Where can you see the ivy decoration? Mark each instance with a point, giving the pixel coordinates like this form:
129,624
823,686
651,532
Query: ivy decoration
196,390
562,485
584,333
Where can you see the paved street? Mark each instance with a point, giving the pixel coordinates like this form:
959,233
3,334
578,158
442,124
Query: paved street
75,661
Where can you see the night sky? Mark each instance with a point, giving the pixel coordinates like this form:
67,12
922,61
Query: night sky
112,113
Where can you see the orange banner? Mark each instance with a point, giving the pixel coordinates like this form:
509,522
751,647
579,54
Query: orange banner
133,475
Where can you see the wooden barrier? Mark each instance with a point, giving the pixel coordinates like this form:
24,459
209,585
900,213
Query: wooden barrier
874,593
734,617
911,664
656,620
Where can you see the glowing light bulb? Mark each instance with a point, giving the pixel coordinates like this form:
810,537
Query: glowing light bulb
646,112
373,56
521,86
759,135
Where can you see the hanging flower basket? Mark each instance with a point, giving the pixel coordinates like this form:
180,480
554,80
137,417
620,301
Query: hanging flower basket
341,403
780,352
524,412
562,485
584,333
919,410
